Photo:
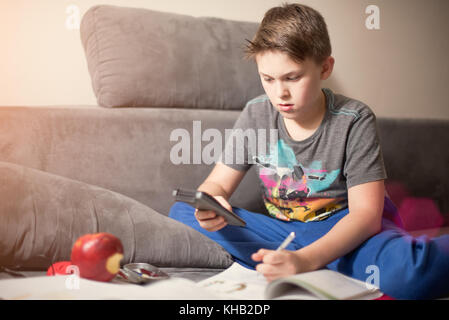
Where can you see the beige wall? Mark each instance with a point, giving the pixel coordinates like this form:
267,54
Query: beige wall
401,70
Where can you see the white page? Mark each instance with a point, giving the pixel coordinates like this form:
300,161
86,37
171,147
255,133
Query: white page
57,287
236,282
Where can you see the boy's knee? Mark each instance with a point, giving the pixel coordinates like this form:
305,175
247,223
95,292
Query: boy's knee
424,276
179,210
415,285
403,284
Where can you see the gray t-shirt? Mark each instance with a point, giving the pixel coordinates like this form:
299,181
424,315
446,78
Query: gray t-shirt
307,180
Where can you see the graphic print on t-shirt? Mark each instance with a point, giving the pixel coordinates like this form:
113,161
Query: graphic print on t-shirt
290,188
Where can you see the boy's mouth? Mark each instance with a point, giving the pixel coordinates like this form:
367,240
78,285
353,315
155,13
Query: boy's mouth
285,107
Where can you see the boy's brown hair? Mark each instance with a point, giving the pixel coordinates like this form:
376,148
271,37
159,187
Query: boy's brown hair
295,29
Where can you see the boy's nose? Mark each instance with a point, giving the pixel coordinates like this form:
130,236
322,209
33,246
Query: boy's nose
282,91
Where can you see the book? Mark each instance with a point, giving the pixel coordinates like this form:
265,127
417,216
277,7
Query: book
234,283
238,282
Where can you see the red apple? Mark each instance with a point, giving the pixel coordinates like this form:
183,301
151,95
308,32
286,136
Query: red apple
97,256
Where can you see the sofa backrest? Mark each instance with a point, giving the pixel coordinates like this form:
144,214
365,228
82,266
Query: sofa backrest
145,58
416,155
128,150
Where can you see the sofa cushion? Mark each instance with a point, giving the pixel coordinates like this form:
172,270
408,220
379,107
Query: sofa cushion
144,58
42,215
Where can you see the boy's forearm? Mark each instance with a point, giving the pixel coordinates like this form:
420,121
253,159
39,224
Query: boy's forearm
346,235
213,188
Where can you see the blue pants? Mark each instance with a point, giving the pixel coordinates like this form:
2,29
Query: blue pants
407,267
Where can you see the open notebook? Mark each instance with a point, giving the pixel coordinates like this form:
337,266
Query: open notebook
236,282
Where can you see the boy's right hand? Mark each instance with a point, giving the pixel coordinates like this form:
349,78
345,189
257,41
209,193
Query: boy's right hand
211,221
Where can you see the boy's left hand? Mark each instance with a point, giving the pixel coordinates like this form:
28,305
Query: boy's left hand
277,264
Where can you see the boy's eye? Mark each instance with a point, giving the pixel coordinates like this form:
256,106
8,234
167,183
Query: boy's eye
288,79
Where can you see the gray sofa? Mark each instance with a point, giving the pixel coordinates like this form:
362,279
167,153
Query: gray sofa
71,170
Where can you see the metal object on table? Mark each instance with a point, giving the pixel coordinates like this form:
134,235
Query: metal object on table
141,273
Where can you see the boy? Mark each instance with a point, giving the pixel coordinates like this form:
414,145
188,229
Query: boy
323,178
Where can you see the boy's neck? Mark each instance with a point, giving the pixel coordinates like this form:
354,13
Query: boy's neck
305,124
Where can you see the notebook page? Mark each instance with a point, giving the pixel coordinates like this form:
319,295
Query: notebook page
236,282
56,288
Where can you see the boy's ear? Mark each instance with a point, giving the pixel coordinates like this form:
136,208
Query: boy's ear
326,67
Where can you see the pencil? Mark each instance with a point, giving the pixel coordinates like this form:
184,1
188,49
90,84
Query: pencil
286,242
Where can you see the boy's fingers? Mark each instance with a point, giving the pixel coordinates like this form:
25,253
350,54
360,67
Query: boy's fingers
223,202
213,224
219,226
263,252
260,254
204,215
267,256
267,270
270,256
256,256
273,257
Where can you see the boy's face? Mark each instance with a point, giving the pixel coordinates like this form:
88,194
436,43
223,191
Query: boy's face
293,88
